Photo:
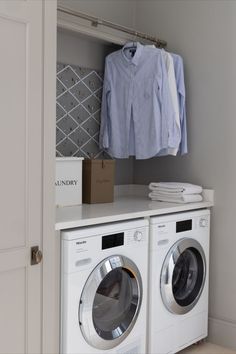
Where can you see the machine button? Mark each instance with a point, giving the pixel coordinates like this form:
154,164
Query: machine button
138,236
203,222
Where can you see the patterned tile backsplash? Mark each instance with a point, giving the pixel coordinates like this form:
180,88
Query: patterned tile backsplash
79,94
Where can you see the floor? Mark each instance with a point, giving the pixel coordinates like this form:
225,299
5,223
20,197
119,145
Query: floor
207,348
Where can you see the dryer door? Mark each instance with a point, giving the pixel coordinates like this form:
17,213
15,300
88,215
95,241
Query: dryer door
183,276
110,302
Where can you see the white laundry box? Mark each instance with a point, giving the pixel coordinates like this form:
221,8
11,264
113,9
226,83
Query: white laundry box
68,181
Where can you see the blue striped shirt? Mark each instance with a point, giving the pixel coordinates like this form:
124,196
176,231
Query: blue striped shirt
137,117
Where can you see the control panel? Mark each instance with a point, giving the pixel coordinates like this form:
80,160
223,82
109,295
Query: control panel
123,238
182,226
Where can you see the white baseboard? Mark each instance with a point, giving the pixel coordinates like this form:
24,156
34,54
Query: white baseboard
222,333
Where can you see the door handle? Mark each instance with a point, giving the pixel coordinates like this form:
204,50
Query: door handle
36,255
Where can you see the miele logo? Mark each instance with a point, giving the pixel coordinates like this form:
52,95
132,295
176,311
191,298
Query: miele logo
161,226
67,182
81,242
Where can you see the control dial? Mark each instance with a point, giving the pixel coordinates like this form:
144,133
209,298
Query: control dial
138,236
203,222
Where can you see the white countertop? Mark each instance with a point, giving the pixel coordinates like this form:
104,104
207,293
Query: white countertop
123,208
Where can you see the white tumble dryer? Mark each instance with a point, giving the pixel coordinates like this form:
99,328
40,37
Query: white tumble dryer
179,269
104,289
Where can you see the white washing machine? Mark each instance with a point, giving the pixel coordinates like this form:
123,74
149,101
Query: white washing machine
179,269
104,289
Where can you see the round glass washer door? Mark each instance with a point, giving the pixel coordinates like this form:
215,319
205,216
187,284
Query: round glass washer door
183,276
110,302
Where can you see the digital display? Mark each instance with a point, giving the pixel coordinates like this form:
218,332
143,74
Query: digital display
113,240
185,225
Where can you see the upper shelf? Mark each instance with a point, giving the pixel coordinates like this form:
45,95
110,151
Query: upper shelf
100,29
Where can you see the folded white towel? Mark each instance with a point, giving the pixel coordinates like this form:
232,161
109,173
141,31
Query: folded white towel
183,198
168,194
175,187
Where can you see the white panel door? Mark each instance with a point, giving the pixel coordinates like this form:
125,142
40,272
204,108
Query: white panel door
21,72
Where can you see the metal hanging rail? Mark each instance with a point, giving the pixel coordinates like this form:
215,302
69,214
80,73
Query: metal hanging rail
96,21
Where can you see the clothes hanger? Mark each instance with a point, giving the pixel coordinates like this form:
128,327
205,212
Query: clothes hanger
133,49
131,45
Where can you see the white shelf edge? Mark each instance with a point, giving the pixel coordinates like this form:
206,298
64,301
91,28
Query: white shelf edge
81,26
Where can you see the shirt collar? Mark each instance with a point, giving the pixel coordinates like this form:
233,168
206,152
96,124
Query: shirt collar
137,55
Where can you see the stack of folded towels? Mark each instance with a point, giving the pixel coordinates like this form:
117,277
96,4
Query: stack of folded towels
175,192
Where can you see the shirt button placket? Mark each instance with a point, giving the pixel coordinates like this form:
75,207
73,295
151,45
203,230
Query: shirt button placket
131,97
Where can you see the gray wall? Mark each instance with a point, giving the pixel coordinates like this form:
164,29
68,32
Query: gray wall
203,32
80,50
88,53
